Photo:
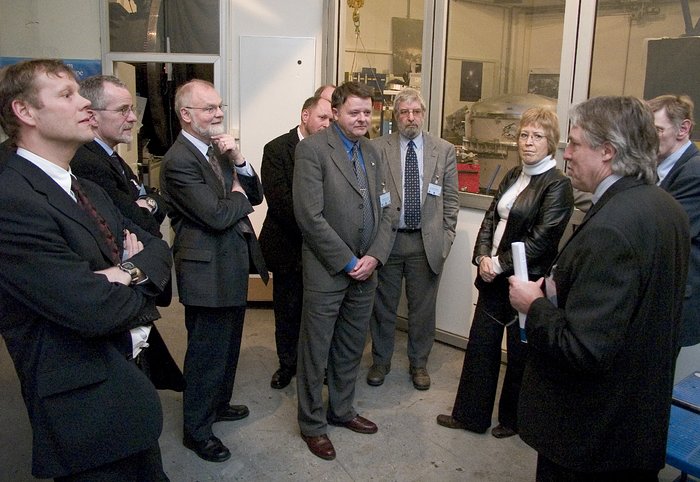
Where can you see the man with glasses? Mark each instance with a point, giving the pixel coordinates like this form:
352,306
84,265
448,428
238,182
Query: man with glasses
422,181
113,122
679,174
211,189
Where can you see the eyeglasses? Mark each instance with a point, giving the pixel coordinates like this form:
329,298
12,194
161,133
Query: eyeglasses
407,112
210,109
123,111
537,137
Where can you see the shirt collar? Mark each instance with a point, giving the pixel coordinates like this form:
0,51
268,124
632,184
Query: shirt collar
347,143
604,186
418,141
201,146
667,164
57,173
104,146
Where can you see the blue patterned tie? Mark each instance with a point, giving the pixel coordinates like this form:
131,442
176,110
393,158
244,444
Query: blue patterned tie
411,188
367,214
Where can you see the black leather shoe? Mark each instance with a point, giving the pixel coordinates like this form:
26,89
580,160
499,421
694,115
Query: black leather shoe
358,424
376,374
282,377
232,413
501,431
211,449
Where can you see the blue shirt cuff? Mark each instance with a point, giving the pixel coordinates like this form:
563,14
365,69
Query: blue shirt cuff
351,265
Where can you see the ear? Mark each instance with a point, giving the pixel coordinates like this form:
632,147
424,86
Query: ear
684,129
305,114
93,119
185,115
608,151
335,113
24,112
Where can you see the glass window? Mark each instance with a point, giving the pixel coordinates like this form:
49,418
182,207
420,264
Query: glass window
164,26
502,57
647,49
384,49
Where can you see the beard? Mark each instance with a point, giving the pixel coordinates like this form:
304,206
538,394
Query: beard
410,131
209,131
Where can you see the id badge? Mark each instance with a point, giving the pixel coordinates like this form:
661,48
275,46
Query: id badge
434,189
385,199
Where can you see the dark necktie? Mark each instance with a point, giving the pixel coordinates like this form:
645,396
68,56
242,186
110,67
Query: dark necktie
126,172
367,214
88,207
216,167
411,187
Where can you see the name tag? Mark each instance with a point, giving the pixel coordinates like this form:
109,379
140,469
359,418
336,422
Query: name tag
385,199
434,189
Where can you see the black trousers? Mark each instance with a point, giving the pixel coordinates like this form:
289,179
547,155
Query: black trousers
548,471
213,346
144,466
287,295
482,363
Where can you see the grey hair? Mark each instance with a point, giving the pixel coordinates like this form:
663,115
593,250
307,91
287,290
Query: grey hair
408,94
93,89
627,123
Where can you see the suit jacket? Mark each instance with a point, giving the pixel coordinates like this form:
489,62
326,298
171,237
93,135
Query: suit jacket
87,404
211,249
280,237
683,183
92,162
328,208
596,393
438,213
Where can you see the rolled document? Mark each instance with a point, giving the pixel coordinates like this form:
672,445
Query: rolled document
520,267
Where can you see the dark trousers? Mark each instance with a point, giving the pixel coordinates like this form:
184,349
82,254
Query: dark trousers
144,466
482,362
548,471
213,346
287,295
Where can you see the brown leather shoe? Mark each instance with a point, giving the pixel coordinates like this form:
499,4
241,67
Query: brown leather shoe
358,424
449,422
420,378
501,431
320,445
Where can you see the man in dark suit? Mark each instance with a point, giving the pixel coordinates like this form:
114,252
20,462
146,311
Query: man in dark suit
211,189
344,216
112,122
679,175
280,238
602,336
65,297
422,181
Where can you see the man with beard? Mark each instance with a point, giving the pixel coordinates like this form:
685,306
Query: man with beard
280,238
211,189
422,181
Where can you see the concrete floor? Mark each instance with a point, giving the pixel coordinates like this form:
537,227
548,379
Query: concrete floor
266,446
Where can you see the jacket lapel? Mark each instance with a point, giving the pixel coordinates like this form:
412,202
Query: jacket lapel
60,200
207,171
429,166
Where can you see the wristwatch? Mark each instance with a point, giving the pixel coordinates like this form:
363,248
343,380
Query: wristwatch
152,204
135,273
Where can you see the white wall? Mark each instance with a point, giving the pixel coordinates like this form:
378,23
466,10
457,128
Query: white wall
56,28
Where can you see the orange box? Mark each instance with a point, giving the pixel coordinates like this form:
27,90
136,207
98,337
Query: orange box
468,177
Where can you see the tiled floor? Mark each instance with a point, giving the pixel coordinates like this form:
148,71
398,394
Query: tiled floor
266,446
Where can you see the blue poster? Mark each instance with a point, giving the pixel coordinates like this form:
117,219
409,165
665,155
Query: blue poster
82,68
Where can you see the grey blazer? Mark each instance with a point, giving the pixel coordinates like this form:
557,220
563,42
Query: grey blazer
211,252
438,213
328,208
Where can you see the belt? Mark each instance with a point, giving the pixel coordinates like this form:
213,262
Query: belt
408,230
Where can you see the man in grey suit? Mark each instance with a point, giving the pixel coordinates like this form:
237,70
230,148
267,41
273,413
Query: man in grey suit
422,180
344,215
679,175
211,190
